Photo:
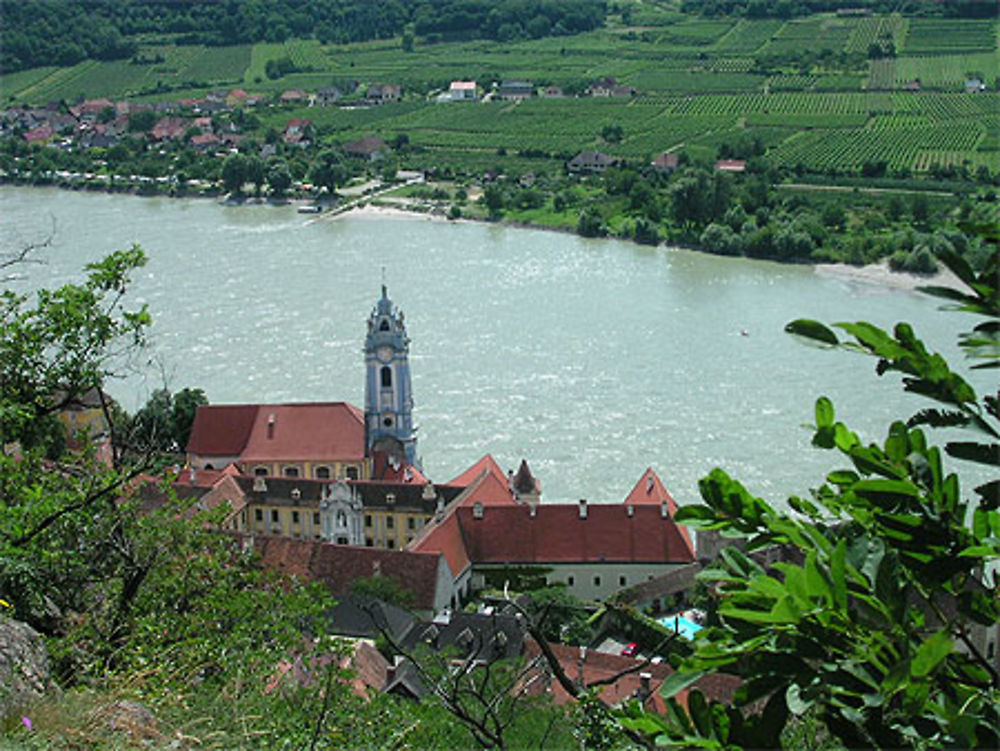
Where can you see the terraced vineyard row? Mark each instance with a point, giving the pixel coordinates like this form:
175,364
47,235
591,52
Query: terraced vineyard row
811,34
871,29
779,102
898,147
748,36
950,35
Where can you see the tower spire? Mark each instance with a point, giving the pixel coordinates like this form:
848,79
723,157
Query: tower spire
389,425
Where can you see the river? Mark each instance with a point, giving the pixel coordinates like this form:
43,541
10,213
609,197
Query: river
593,359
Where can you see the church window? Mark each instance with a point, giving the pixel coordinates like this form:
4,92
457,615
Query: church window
291,472
368,520
369,542
387,422
260,471
384,326
622,581
386,377
296,494
390,543
341,519
316,518
411,523
570,581
597,581
322,473
352,473
258,514
274,515
341,540
389,522
295,517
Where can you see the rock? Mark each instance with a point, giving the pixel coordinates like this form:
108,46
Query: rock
132,718
24,666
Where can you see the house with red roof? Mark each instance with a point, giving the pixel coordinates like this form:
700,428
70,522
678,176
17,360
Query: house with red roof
338,566
323,440
595,549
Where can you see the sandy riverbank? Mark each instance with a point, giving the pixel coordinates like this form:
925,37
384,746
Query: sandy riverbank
880,274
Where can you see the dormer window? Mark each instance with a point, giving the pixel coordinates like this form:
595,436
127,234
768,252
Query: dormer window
477,510
390,498
296,494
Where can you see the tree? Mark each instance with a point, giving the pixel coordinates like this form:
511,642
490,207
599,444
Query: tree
493,199
278,177
234,173
329,170
867,625
256,173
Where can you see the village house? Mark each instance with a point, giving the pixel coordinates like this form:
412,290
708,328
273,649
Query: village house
328,96
293,96
552,92
515,90
296,133
609,87
383,93
169,128
462,91
665,163
369,148
590,161
731,165
236,98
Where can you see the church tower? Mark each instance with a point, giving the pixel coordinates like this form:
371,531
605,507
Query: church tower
388,392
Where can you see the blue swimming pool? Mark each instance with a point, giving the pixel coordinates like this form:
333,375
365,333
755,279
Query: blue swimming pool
683,626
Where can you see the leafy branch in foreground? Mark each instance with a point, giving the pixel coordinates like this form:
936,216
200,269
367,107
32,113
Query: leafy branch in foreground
875,622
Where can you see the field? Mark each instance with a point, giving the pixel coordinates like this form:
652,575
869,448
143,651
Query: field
811,34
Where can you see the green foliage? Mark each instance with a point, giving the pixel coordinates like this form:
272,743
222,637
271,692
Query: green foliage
60,343
861,629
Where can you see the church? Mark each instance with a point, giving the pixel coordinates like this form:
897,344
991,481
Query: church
324,440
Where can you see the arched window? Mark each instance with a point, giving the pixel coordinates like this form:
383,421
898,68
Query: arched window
322,473
341,520
260,471
352,473
384,326
386,377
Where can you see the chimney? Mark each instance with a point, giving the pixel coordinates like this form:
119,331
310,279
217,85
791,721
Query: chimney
630,509
439,509
579,665
583,508
664,511
644,683
270,426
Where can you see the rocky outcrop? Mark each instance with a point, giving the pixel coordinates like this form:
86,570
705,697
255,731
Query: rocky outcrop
24,665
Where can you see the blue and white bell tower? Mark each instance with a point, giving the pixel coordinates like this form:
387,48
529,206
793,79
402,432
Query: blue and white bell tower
388,392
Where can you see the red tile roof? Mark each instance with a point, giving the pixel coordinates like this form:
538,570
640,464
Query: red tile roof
326,431
555,533
444,537
650,489
338,566
487,463
331,431
598,666
221,429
